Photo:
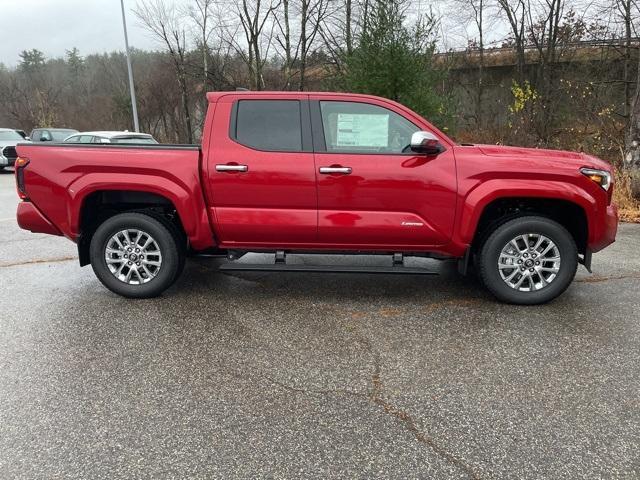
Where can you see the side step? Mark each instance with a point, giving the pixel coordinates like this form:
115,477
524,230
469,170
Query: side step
282,267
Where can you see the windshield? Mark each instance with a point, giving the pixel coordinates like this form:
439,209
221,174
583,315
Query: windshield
10,135
142,140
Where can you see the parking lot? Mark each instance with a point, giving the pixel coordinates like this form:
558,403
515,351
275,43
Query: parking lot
313,375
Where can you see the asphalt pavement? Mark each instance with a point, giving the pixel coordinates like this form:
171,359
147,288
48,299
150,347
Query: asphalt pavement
275,375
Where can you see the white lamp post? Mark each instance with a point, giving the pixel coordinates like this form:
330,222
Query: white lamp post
132,87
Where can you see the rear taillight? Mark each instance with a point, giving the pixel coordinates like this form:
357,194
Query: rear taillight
19,166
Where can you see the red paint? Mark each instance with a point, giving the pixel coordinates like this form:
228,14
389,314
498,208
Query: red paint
404,202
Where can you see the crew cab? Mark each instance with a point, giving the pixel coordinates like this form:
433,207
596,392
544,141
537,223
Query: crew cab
320,173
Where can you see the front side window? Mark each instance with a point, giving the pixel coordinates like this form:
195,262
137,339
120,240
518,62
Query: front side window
271,125
74,139
351,127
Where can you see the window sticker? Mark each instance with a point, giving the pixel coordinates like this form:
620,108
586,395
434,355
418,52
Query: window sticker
362,130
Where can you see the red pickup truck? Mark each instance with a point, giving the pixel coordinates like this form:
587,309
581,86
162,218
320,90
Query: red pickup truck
320,173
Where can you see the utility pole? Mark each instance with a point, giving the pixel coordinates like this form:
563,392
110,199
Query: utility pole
132,87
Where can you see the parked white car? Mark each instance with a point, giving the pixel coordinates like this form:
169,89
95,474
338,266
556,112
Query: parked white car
9,138
111,137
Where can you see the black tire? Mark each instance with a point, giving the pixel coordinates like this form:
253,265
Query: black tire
172,254
492,247
178,235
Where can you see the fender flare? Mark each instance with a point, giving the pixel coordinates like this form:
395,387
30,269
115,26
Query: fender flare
476,201
189,205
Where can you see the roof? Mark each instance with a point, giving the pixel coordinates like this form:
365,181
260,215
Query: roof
56,129
112,134
215,96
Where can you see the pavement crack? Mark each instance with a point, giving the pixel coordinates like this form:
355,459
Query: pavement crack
43,260
377,397
599,278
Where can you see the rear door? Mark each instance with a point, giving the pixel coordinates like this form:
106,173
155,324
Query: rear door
261,175
373,191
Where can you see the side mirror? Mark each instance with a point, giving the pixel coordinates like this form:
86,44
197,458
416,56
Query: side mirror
426,142
28,139
44,139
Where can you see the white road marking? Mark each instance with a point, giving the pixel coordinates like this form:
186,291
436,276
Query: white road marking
7,219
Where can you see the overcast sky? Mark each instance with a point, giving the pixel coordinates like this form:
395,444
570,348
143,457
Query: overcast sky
53,26
95,26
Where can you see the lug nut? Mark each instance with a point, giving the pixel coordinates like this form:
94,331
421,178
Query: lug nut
531,270
126,256
138,263
129,263
519,262
137,250
537,263
525,255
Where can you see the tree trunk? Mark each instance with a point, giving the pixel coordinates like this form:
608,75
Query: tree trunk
288,60
627,57
303,43
185,105
480,20
347,22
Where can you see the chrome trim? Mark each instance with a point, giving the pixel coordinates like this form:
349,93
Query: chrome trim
232,168
328,170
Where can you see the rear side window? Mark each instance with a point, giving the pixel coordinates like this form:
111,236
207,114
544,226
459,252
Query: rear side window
271,125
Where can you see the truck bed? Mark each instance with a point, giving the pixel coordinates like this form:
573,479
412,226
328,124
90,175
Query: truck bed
61,177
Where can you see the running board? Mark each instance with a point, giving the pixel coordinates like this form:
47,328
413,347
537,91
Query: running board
282,267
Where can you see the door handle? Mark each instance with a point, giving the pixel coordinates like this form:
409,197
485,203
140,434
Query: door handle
232,168
328,170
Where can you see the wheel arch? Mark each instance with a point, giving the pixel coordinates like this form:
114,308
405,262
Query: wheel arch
100,205
570,215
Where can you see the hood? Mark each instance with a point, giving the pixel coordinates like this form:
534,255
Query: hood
563,156
11,143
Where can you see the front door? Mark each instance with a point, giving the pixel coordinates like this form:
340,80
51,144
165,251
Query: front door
261,174
373,192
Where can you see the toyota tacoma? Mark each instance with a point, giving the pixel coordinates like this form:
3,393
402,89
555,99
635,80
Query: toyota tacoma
283,172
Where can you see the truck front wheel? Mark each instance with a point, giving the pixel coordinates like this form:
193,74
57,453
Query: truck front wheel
528,260
135,255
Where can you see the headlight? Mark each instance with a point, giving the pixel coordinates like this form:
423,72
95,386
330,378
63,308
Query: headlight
601,177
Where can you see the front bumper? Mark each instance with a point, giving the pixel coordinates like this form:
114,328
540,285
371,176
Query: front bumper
609,229
6,162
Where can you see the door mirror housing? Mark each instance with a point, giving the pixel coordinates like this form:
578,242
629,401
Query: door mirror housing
426,142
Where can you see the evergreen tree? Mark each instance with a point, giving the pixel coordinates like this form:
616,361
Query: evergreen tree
394,61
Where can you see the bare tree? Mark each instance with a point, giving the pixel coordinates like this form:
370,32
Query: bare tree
201,12
341,26
475,12
256,18
516,13
165,22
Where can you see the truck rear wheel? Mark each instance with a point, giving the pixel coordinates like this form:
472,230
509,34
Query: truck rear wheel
528,260
135,255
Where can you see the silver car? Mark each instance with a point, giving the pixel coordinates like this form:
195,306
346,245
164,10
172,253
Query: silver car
9,138
111,137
